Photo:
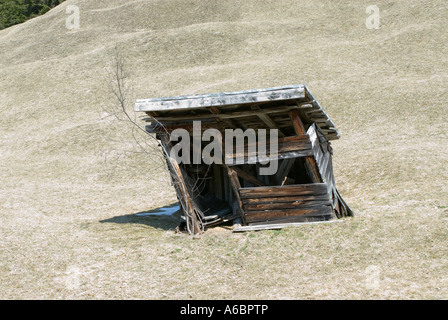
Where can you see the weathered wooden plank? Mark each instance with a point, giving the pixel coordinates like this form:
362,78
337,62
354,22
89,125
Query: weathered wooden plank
318,154
315,143
299,148
347,210
278,191
323,123
263,159
277,226
223,115
328,129
222,98
285,205
310,107
324,165
300,198
296,219
328,173
182,189
252,216
322,155
284,144
289,147
320,118
312,133
333,136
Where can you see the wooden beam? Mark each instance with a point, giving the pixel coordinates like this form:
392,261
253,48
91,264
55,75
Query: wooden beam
182,188
284,191
319,211
299,128
291,198
296,219
285,205
288,147
236,186
228,115
248,177
309,160
267,120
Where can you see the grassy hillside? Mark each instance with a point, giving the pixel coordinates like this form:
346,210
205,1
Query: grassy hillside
72,179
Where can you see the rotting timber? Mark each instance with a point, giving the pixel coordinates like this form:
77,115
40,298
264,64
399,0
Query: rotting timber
303,189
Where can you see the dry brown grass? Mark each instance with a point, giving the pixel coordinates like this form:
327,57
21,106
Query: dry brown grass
69,193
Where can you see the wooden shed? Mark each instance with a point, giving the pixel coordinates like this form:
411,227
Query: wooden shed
302,189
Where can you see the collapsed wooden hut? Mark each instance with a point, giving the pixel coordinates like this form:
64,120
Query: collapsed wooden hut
302,189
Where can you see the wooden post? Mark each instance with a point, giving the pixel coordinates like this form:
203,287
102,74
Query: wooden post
182,189
195,228
309,160
235,183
